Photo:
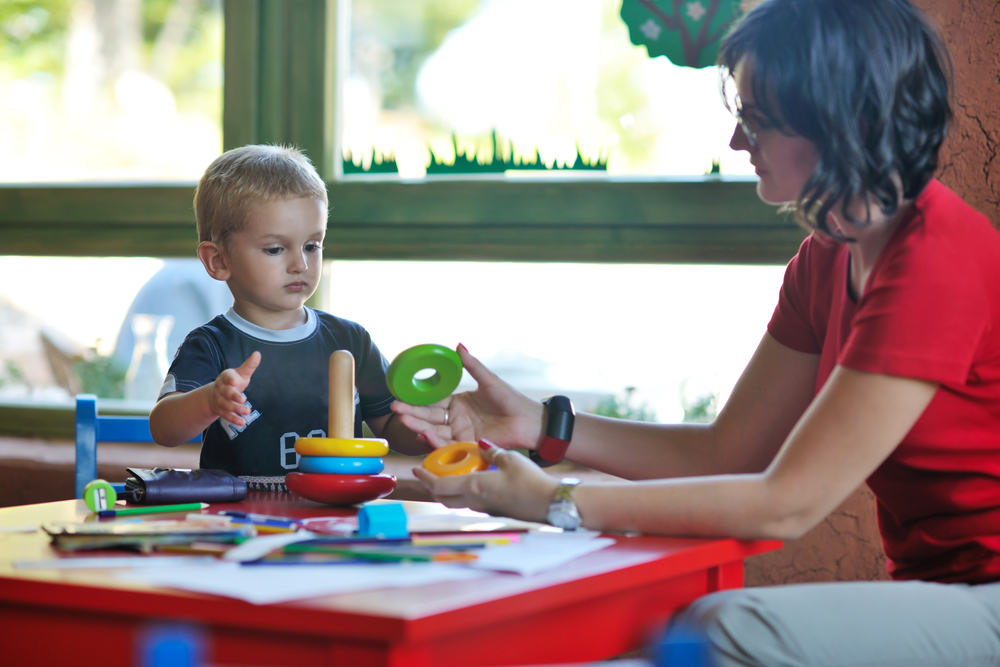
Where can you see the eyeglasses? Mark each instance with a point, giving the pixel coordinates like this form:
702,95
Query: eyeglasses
750,133
735,106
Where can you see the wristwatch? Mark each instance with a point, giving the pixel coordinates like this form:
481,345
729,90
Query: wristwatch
558,432
562,512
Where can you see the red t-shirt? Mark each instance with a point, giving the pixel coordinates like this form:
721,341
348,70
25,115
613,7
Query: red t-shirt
931,311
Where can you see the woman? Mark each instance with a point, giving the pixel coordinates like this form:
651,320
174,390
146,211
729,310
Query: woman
881,363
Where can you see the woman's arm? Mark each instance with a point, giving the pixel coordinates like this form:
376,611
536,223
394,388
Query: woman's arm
854,424
771,395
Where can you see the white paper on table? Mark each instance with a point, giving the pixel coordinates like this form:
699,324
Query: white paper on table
258,547
536,552
100,562
267,584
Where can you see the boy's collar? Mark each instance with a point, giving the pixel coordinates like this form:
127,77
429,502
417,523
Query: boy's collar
292,335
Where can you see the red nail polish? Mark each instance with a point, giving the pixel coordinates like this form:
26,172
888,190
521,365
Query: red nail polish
486,445
464,349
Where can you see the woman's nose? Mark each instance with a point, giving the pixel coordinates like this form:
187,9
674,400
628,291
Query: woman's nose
739,141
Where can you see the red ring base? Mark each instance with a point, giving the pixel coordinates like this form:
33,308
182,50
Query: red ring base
340,489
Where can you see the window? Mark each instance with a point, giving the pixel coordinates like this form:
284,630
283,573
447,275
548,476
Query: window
677,334
95,90
545,74
654,208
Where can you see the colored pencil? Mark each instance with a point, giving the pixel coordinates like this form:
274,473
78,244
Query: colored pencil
152,509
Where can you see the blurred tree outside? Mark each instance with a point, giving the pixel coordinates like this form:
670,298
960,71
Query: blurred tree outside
391,39
110,88
100,375
622,406
11,373
702,408
598,101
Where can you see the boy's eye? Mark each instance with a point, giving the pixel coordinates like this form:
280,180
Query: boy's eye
272,251
313,247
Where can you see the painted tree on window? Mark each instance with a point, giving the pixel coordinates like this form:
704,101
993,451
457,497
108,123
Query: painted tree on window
685,31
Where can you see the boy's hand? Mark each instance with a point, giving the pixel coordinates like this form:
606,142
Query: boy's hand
226,398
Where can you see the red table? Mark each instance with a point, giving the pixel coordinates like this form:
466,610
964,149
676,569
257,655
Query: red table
598,606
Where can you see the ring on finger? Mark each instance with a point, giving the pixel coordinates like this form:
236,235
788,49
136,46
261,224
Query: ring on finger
446,417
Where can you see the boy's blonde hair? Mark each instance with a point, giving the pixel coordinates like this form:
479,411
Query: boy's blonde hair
243,177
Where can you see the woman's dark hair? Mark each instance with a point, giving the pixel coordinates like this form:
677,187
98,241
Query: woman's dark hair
866,81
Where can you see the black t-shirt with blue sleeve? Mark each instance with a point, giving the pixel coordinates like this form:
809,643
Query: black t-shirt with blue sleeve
288,393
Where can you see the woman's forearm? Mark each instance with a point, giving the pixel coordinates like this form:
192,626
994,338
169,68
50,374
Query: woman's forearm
638,450
770,396
854,424
741,506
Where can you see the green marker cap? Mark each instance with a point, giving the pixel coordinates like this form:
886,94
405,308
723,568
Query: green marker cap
99,495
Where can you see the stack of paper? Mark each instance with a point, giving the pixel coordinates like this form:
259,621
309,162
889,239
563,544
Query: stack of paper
139,535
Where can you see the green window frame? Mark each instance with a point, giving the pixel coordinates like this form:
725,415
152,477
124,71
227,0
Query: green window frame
281,64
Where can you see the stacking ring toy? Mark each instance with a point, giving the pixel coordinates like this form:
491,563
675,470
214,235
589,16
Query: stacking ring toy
350,485
457,458
401,376
340,489
341,447
99,495
342,465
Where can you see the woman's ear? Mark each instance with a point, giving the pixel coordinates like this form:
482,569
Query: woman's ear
213,258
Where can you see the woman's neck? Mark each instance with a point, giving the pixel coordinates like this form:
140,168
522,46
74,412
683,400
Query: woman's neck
870,241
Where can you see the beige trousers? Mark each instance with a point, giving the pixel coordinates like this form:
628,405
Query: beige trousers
862,624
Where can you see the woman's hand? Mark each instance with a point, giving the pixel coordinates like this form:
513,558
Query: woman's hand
517,488
495,411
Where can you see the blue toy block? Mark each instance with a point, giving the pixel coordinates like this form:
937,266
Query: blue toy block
386,520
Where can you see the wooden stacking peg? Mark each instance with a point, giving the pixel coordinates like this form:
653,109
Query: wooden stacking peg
341,469
341,410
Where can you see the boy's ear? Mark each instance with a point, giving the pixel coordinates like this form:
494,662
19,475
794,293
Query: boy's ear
213,258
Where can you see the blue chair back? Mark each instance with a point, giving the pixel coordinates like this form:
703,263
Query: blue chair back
92,428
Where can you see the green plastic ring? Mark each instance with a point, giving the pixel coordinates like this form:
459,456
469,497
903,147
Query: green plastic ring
99,495
405,386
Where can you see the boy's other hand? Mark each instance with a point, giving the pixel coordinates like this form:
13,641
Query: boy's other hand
226,397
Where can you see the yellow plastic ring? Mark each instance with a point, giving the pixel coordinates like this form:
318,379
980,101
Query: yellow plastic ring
341,447
457,458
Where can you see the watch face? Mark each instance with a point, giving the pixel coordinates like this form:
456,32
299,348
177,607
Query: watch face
563,515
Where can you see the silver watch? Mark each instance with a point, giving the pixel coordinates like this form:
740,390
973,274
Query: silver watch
562,512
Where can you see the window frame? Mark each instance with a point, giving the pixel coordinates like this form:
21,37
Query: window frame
277,91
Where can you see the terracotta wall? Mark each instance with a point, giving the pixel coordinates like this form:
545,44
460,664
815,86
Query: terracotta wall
846,546
970,161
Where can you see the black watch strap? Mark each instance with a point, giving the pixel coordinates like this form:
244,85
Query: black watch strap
558,431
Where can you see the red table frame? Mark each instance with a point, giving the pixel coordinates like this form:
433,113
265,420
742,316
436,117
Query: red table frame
598,606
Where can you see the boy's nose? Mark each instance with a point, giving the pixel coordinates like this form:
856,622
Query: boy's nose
299,264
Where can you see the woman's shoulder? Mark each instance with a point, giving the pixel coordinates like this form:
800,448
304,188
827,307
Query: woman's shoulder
817,253
942,211
945,241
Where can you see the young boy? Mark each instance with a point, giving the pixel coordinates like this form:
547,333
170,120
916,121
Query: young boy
255,379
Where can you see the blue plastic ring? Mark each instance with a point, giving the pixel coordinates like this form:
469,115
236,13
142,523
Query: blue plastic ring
342,465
